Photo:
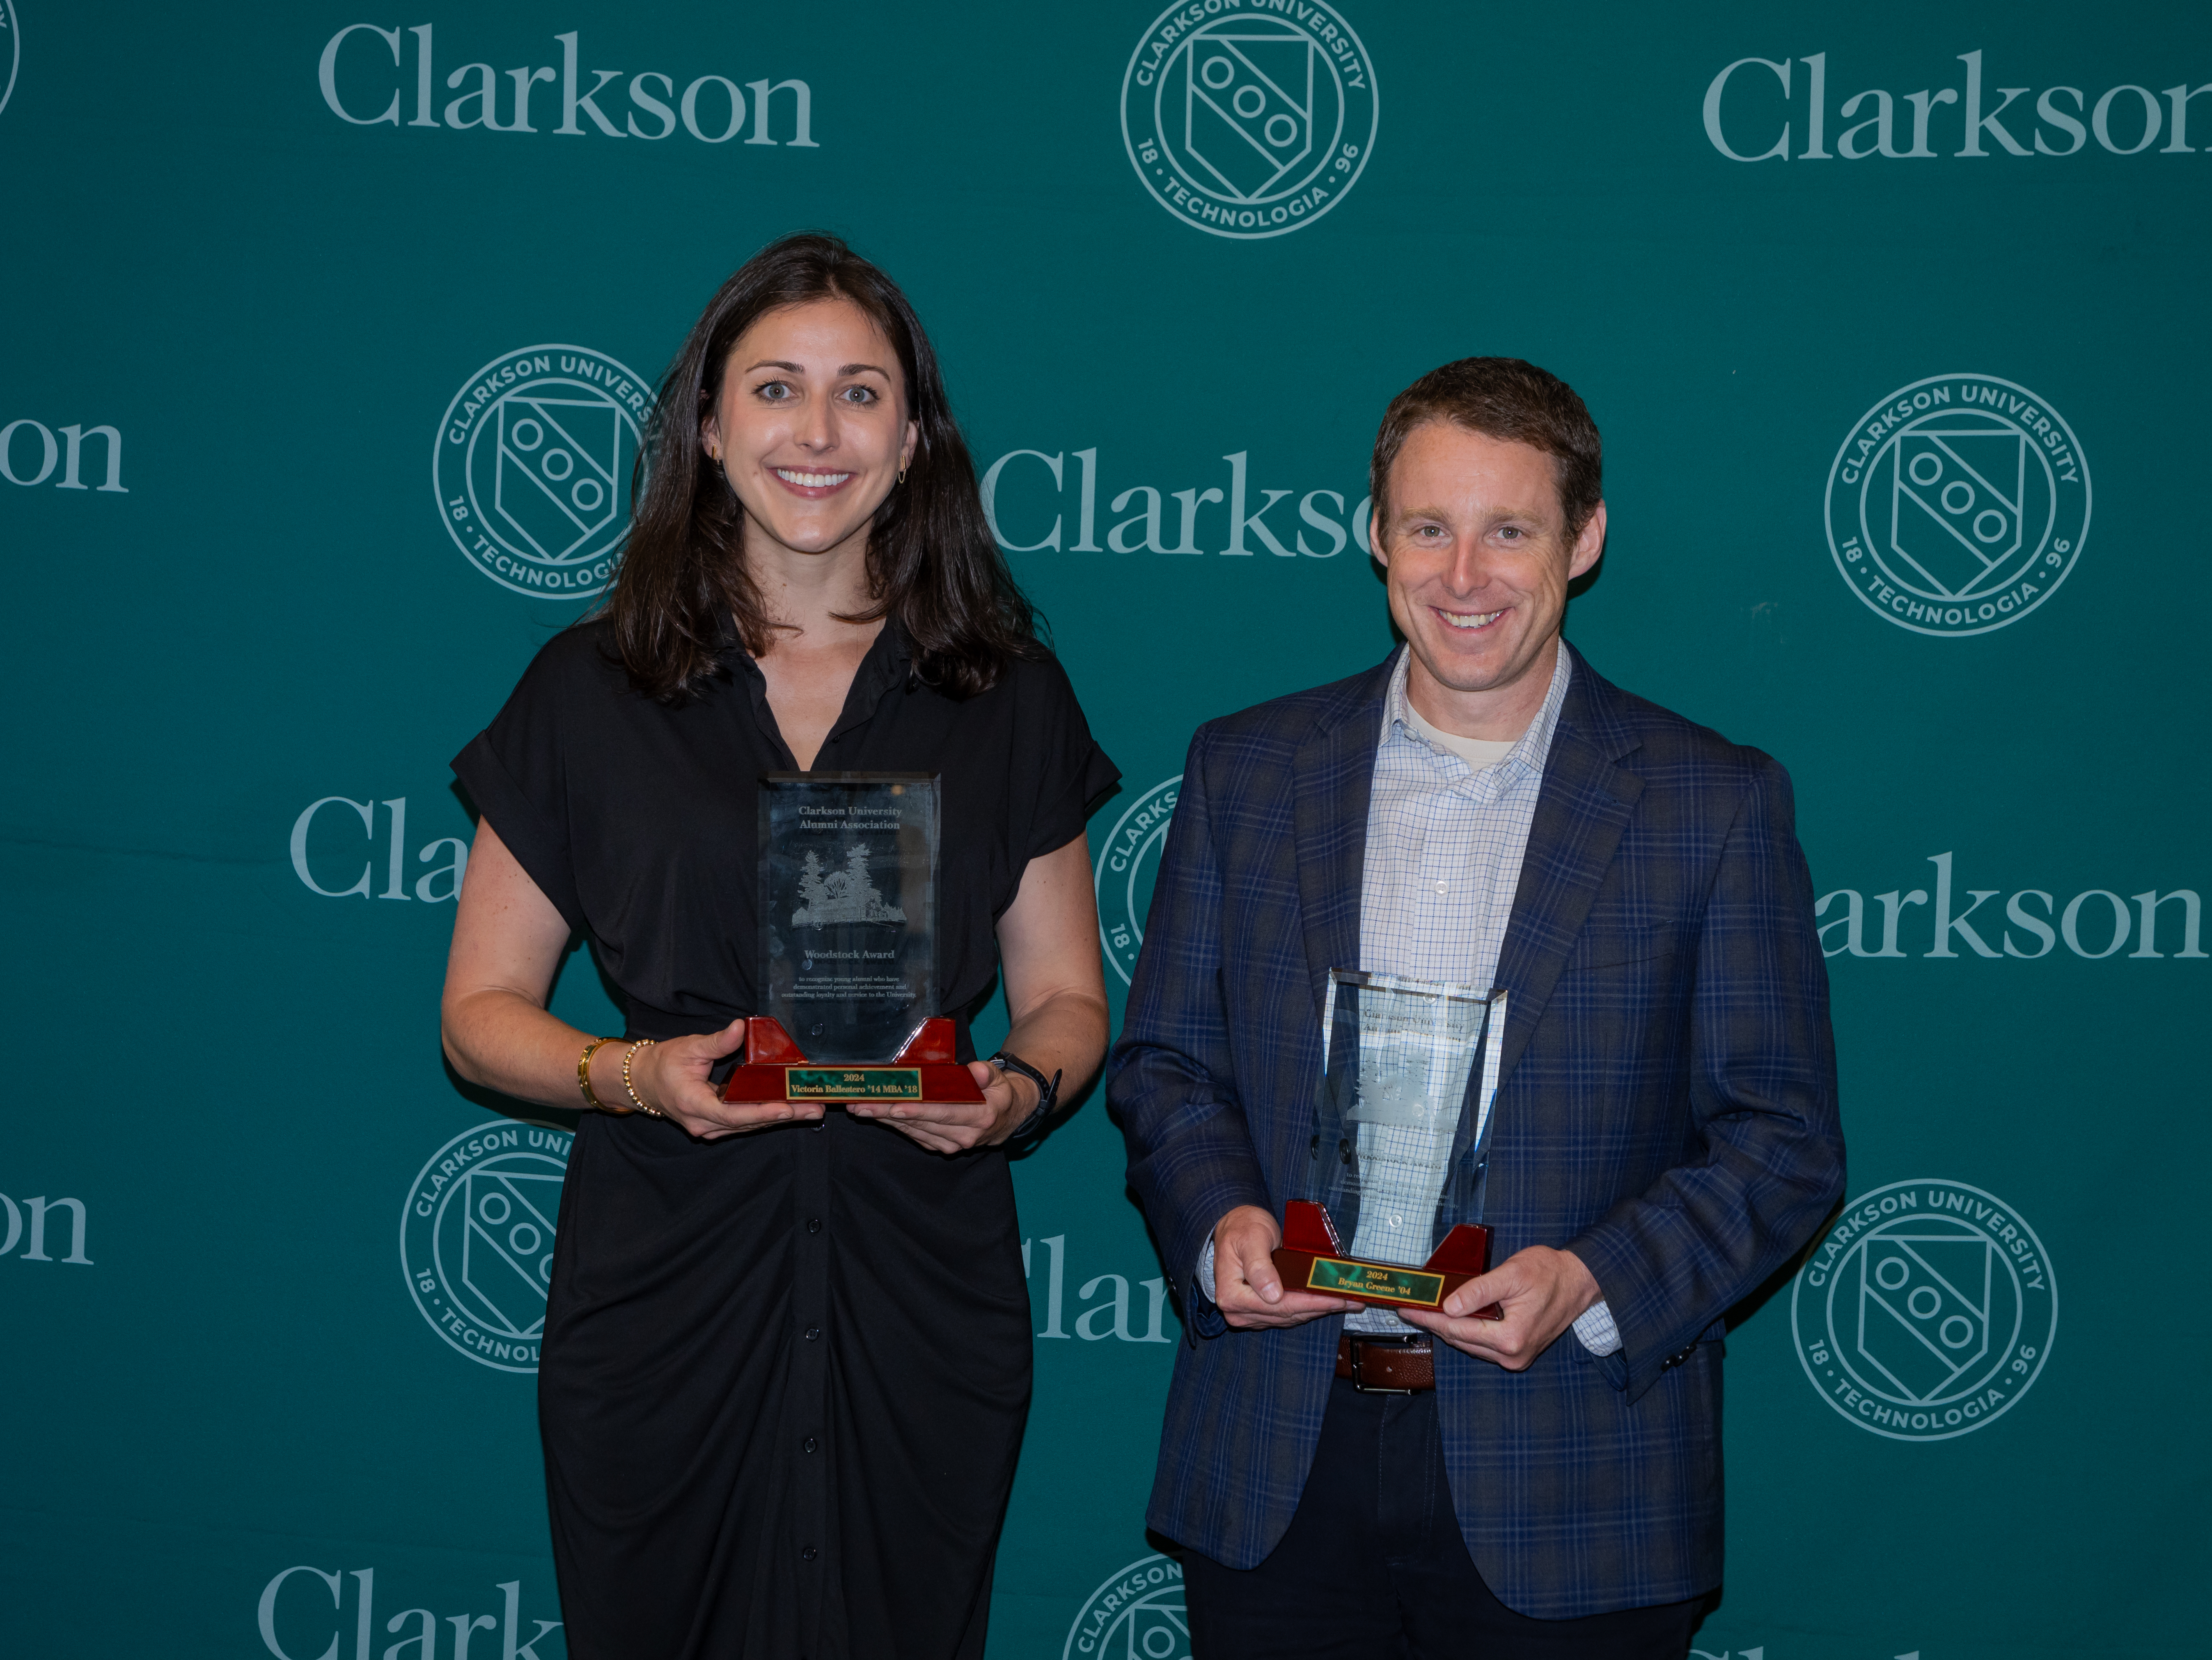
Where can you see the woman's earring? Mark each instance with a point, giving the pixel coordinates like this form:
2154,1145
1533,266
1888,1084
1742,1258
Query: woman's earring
902,477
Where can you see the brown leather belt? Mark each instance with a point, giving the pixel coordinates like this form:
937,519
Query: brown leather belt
1386,1365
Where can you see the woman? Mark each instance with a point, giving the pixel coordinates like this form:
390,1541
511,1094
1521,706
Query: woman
787,1353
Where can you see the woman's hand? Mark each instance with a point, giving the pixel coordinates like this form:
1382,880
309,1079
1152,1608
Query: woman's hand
959,1126
671,1075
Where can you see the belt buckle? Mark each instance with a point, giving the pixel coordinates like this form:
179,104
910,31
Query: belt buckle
1359,1365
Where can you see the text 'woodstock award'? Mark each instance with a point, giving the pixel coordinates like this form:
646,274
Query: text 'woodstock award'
847,965
1396,1168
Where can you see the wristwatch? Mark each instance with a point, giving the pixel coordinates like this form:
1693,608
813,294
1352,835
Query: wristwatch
1047,1093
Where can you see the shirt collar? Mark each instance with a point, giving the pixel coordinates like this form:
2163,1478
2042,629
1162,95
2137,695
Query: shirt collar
893,645
1529,754
889,663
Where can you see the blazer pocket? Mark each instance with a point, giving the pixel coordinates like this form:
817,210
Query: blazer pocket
1614,947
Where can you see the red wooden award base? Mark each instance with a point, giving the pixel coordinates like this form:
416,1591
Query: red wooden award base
1311,1258
776,1070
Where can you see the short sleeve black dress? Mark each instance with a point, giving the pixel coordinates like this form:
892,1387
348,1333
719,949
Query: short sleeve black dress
784,1374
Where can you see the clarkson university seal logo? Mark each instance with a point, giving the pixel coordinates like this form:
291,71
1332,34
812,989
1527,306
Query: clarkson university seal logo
1958,504
1127,862
1249,118
1926,1312
1137,1614
531,467
476,1239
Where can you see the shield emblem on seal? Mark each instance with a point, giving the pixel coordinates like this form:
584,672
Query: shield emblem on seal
1957,493
507,1219
1923,1307
555,482
1248,105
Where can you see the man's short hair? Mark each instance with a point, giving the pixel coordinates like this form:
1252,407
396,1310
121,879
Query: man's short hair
1504,398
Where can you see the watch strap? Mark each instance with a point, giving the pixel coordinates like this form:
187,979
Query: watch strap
1047,1093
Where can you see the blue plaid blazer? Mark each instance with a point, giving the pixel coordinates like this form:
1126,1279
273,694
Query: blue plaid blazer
1665,1107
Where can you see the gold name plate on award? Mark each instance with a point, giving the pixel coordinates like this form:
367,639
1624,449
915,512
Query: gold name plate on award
846,1083
1311,1258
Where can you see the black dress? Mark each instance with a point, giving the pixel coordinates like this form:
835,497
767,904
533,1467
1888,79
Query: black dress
784,1374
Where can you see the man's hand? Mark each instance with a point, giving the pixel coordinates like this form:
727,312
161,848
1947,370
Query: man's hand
1247,1289
1542,1292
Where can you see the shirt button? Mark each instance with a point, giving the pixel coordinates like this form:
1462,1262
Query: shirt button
813,1224
1443,885
808,1445
806,1552
812,1332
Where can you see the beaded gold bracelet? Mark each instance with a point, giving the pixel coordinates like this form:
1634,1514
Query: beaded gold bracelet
629,1054
584,1080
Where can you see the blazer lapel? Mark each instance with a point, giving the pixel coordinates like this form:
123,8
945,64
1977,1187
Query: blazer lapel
1582,809
1332,776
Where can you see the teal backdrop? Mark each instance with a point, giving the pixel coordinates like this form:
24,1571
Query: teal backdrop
1894,322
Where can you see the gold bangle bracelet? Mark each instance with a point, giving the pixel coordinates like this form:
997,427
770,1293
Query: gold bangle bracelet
629,1054
584,1080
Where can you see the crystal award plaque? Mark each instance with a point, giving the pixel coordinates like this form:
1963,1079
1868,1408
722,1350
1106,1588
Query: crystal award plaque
1400,1152
848,949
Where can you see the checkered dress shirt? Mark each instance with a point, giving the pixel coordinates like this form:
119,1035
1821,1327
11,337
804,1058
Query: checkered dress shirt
1444,846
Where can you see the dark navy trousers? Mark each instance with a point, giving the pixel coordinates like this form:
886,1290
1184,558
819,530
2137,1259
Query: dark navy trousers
1374,1567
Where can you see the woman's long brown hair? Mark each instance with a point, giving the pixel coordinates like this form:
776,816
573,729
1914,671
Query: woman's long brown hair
932,562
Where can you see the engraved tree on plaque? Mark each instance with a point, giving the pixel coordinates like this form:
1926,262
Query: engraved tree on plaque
842,896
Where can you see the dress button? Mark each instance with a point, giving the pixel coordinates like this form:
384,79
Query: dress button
809,1444
813,1224
806,1552
812,1332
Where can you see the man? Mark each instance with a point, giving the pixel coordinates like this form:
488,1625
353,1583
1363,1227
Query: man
1482,809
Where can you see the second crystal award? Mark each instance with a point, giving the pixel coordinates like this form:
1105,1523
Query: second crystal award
846,970
1399,1151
